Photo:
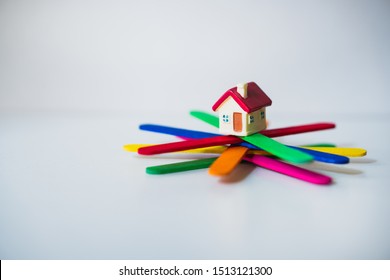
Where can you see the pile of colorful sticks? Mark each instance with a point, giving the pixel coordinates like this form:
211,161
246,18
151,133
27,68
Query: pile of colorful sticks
259,149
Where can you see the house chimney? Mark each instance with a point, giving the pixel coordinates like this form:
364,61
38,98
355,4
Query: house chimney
242,90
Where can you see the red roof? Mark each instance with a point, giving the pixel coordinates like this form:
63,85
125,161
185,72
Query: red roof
256,98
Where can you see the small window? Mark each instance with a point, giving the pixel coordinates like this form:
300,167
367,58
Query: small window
262,115
251,119
225,118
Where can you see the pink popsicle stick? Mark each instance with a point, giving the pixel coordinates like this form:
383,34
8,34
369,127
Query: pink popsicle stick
289,169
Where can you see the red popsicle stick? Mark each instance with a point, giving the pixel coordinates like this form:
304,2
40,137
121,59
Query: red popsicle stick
296,129
228,139
189,144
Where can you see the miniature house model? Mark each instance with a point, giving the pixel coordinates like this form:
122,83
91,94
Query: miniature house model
242,110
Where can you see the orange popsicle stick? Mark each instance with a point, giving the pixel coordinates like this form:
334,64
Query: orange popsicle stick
227,161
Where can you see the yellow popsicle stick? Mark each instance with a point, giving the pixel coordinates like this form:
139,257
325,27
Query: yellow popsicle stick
341,151
227,161
134,147
208,150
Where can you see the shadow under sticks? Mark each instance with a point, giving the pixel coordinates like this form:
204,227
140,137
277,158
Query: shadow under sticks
318,166
239,173
362,160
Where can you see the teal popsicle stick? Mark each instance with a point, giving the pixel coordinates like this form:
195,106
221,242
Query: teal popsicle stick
261,141
180,166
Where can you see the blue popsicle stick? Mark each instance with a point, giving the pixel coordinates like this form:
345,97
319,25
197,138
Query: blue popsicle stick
323,157
194,134
318,155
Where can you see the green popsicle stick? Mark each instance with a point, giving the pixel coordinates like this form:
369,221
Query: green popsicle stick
206,117
278,149
180,166
326,145
261,141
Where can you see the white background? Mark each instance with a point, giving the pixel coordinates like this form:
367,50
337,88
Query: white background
78,77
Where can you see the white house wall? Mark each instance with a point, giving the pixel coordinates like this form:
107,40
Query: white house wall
228,107
258,124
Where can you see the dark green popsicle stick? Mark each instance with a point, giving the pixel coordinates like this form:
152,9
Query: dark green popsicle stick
262,142
180,166
330,145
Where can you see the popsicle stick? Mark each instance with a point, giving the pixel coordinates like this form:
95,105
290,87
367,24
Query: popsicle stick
320,145
265,162
323,157
349,152
289,170
134,147
258,140
329,157
206,150
180,166
290,130
278,149
188,134
206,117
180,132
277,132
189,144
195,134
317,155
227,161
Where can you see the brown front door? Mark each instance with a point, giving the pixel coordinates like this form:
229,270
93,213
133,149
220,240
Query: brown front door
237,122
